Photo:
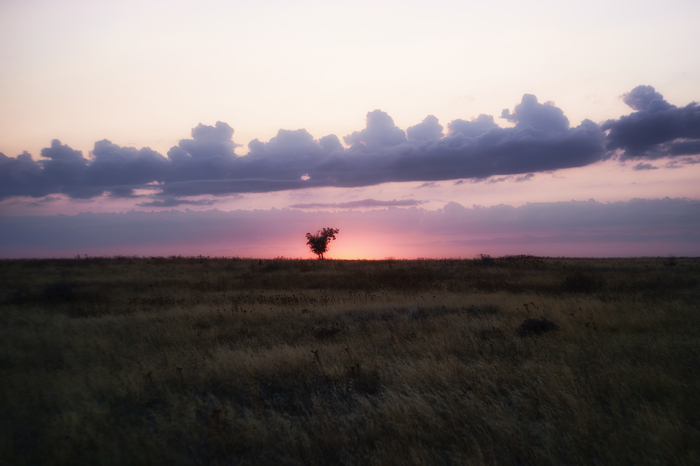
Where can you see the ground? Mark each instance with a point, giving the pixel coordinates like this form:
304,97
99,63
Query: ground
220,361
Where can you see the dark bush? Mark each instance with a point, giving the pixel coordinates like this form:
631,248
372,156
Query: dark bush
536,327
485,259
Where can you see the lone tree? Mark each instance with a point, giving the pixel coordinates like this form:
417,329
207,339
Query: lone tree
319,242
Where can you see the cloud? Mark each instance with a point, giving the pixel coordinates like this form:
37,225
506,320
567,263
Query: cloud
640,97
64,169
380,132
661,226
428,130
174,202
118,169
113,169
644,166
517,179
685,148
22,176
541,117
656,129
584,217
473,128
365,203
526,177
209,155
541,140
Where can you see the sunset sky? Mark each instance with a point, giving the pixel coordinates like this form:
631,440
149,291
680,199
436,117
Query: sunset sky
419,129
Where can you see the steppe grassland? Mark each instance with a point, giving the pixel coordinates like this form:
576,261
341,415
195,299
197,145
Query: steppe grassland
217,361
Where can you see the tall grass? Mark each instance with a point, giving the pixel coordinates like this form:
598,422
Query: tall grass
220,361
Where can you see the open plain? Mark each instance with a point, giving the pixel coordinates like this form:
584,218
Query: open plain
241,361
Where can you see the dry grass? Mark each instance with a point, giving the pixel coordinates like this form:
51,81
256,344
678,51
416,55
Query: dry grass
218,361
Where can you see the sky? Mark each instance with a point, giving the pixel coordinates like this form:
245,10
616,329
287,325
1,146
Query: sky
441,129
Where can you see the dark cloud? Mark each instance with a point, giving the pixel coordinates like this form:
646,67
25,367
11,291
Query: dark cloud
282,163
22,176
124,167
517,179
209,155
665,226
526,177
174,202
365,203
644,166
541,117
380,132
330,143
473,128
64,171
657,129
113,169
210,141
382,153
428,130
640,97
685,148
541,140
651,216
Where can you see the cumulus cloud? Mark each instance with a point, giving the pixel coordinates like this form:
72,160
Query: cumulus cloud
115,166
380,132
365,203
428,130
541,139
656,129
473,128
209,155
640,97
113,169
22,176
541,117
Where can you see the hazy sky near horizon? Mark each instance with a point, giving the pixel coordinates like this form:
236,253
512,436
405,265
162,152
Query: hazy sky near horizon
330,111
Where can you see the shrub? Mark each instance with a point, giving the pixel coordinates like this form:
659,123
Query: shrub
536,327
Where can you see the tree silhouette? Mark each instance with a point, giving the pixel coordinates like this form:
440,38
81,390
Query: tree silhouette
319,242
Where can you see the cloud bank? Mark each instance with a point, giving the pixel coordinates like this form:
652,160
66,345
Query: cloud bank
540,140
639,227
365,203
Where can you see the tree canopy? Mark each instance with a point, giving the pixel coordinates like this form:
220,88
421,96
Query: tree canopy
319,242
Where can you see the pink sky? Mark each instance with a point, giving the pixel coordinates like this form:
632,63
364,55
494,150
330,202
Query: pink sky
448,130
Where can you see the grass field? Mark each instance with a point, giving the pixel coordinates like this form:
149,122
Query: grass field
230,361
